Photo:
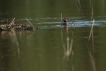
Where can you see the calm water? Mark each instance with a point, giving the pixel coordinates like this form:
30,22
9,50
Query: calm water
45,50
52,47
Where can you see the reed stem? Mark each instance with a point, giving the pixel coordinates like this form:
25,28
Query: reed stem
30,22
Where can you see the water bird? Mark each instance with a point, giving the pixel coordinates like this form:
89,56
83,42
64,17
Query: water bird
65,22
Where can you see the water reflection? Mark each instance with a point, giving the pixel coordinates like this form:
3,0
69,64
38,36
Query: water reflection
10,48
12,35
89,51
67,45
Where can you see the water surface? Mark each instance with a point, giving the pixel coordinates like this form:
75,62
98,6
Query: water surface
52,47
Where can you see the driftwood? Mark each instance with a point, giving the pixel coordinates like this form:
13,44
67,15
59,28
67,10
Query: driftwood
23,27
8,27
5,27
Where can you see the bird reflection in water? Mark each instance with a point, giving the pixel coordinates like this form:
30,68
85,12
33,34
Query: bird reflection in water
68,43
67,48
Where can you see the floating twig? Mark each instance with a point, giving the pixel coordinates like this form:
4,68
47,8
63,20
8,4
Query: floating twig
29,22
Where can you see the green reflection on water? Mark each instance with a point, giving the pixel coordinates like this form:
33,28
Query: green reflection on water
42,50
53,8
